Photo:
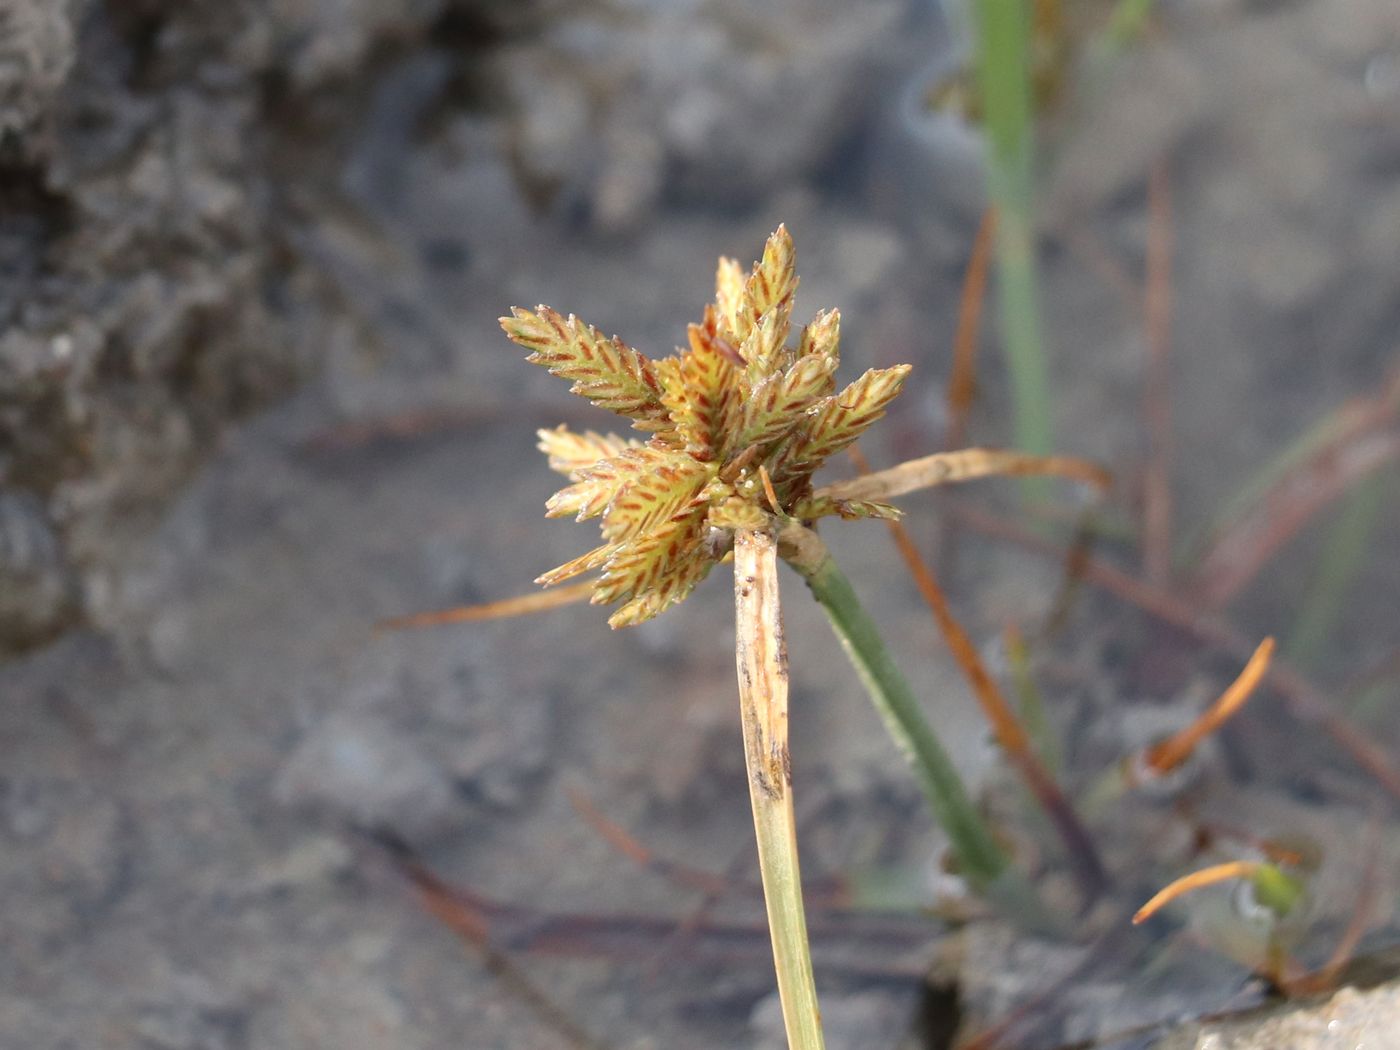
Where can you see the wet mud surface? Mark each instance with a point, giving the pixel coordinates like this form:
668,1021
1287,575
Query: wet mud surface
253,399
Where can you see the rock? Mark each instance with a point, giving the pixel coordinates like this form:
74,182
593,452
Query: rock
711,102
151,285
1350,1020
360,769
36,57
851,1021
37,594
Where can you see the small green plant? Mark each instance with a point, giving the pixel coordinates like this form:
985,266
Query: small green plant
737,426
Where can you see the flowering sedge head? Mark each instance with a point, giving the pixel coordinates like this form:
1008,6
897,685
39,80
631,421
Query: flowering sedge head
737,423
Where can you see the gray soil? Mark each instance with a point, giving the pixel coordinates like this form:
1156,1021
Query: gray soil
253,399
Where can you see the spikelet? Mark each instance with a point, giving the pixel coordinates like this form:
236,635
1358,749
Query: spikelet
773,282
670,558
569,452
729,298
659,486
764,348
702,392
836,422
606,371
779,403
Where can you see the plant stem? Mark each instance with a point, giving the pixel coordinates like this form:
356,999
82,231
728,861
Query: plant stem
982,861
1002,30
761,655
1338,566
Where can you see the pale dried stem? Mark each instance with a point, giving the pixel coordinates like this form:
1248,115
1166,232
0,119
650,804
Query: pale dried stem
761,655
943,468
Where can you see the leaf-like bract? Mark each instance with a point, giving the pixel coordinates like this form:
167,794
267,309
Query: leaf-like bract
606,371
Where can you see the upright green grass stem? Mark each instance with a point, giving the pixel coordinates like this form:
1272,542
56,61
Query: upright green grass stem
982,861
761,655
1002,29
1338,566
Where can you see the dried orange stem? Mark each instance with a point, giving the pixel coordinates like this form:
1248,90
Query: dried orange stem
1172,752
507,607
962,383
1235,869
627,844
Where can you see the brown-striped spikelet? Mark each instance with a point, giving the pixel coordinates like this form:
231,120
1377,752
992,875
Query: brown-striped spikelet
737,404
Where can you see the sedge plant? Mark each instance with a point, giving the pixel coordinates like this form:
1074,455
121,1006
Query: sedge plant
732,431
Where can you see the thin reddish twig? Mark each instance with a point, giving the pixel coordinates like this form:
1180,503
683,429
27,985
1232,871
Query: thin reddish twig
859,943
1237,556
1157,301
1092,251
962,381
628,845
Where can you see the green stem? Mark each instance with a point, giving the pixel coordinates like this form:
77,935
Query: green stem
761,655
1031,703
1002,29
1338,566
982,861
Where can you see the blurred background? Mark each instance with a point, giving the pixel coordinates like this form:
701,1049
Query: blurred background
254,399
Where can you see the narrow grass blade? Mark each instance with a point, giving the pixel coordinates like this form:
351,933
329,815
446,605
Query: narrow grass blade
1338,566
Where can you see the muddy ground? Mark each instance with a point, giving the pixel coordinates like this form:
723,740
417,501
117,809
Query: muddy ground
253,399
